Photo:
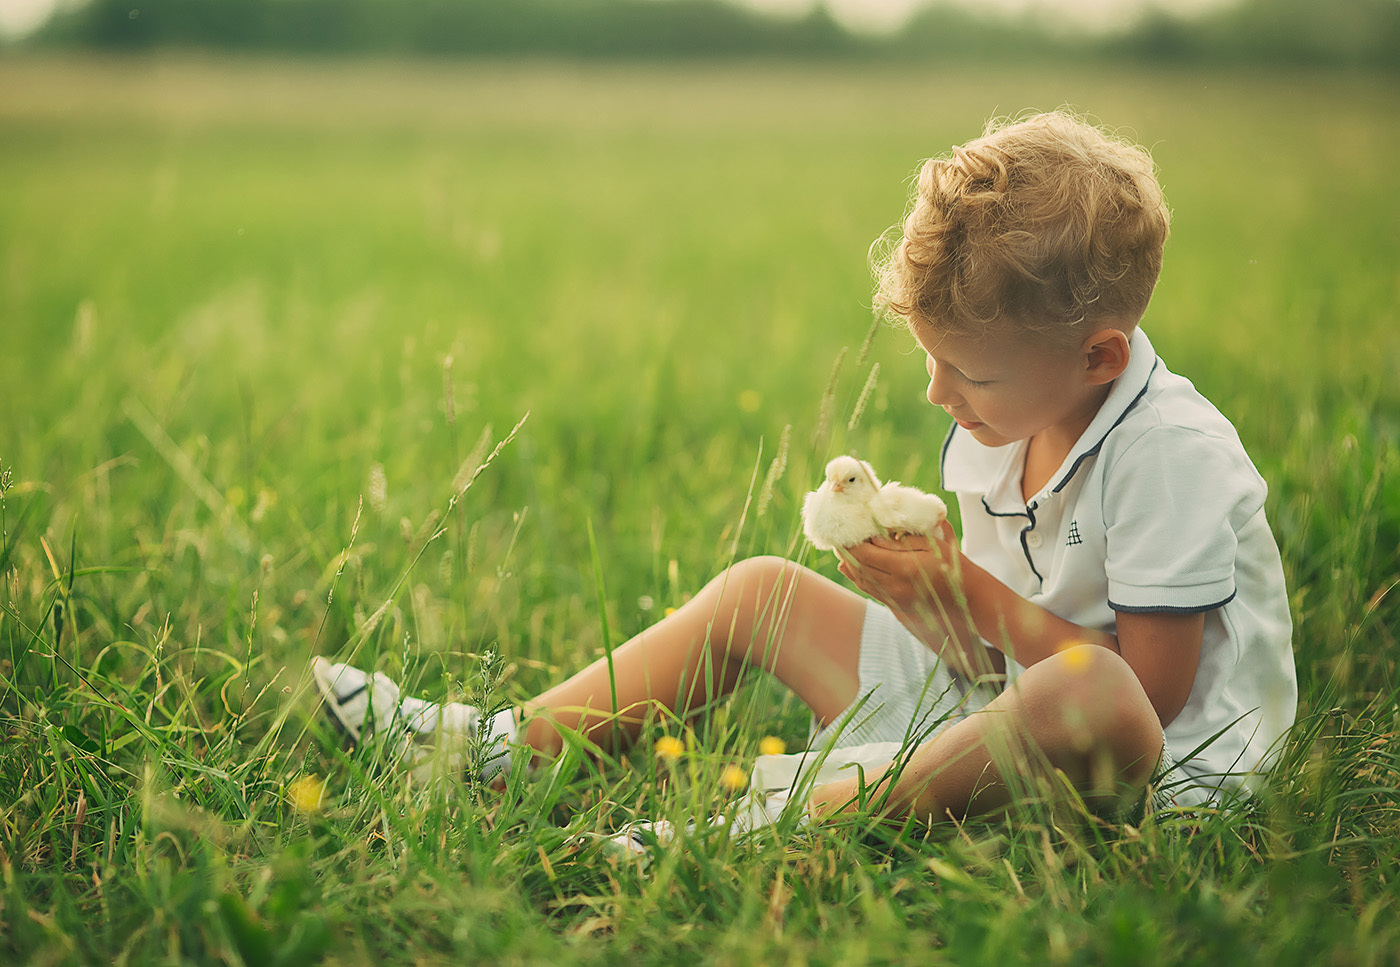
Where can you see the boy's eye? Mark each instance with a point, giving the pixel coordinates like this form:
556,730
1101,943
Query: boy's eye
956,373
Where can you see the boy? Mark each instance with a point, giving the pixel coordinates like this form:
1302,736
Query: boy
1117,599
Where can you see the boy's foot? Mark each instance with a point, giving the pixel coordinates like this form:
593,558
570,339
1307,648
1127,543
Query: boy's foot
356,702
433,738
641,839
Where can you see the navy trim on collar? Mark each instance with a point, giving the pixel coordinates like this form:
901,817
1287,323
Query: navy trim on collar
1074,468
1015,513
943,453
1026,548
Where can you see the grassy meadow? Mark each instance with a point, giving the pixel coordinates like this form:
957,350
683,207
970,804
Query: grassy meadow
262,326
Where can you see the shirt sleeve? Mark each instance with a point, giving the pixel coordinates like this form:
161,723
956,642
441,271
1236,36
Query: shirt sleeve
1174,503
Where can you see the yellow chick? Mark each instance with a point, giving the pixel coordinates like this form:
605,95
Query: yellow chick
852,506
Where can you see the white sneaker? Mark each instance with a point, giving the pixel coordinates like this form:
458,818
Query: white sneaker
641,840
433,738
441,740
357,703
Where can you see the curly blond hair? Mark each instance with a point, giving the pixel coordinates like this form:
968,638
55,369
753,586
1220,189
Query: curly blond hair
1046,222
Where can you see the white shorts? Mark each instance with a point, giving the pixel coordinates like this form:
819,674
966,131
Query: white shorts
906,693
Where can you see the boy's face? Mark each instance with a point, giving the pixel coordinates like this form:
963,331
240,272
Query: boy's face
1006,386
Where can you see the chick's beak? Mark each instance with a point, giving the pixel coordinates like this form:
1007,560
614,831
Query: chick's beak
838,487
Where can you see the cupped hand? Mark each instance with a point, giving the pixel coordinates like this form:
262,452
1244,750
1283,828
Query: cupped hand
904,573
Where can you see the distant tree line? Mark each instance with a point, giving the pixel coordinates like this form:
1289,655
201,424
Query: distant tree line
1310,32
1313,32
590,28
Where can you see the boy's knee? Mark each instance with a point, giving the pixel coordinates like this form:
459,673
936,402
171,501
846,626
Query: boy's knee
1099,695
756,574
745,591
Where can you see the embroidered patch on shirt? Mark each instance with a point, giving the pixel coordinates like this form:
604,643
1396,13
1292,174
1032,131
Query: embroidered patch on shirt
1074,537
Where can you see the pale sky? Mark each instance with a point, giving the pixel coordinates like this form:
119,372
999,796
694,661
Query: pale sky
18,17
880,15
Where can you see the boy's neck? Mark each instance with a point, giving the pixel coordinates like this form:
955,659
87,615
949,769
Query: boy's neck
1046,451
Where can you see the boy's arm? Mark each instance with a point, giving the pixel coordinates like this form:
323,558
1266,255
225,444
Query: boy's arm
916,577
1161,648
898,574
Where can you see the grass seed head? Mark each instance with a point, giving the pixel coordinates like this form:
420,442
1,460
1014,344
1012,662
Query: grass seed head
378,488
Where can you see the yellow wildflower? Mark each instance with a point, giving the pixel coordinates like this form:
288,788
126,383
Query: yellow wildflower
1077,656
771,745
733,778
306,794
670,748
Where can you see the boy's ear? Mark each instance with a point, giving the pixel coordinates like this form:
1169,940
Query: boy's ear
1106,355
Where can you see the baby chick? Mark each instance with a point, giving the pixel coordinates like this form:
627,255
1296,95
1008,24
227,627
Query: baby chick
852,506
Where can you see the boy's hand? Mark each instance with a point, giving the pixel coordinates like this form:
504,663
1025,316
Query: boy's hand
910,574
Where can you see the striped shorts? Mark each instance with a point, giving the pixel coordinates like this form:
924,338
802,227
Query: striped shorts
906,694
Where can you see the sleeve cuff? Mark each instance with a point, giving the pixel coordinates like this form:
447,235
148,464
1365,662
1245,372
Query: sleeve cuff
1191,599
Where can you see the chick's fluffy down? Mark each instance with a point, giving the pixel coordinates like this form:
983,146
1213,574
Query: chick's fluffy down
908,510
852,506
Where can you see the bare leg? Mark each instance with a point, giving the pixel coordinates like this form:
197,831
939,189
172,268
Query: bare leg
765,612
1082,712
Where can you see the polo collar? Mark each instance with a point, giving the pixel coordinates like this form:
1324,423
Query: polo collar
985,469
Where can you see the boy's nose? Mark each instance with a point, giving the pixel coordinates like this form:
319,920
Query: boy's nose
939,392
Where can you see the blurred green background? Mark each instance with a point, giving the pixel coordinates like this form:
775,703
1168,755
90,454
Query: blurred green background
240,286
277,275
235,287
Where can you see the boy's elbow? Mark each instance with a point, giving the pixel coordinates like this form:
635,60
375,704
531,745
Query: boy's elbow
1168,702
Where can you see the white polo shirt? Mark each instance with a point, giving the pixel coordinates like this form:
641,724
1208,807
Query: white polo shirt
1157,508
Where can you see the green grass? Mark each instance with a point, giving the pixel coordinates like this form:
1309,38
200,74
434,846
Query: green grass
259,317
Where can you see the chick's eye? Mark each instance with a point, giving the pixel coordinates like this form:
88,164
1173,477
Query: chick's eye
850,480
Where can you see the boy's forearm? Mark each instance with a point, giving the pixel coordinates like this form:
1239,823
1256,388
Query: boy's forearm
963,648
1022,630
950,634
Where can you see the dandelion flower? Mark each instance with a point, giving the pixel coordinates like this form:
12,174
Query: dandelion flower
733,778
670,748
306,794
1077,657
771,745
